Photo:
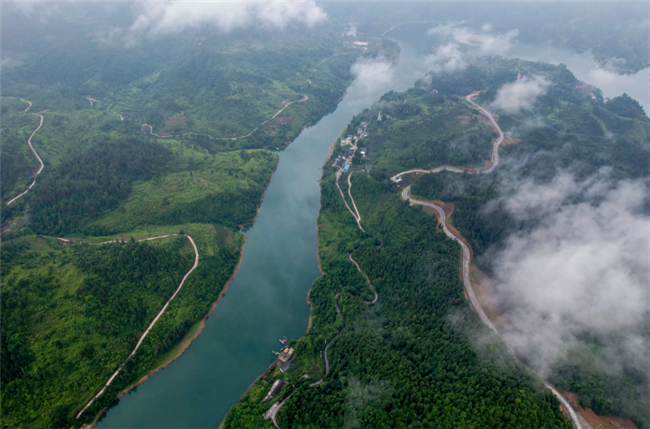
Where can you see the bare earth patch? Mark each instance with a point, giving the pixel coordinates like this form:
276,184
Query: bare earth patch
598,422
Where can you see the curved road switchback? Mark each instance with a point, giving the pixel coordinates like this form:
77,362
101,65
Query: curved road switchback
466,260
28,102
153,322
367,280
494,160
497,143
354,214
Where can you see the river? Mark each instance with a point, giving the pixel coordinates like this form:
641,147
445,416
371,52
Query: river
267,299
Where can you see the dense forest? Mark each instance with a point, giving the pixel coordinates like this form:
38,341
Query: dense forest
404,361
581,135
16,160
419,356
69,315
72,313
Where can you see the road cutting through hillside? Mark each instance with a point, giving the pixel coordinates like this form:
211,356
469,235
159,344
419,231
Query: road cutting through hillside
29,142
153,322
466,259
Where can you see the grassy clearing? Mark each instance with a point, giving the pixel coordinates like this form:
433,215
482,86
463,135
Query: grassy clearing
238,177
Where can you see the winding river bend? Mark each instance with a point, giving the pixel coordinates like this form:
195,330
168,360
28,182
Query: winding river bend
267,298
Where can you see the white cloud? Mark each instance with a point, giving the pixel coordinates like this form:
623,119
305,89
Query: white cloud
372,73
169,17
520,95
153,19
585,268
446,59
488,43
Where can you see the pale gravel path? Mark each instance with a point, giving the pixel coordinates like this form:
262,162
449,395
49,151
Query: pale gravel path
153,322
356,217
29,142
466,260
327,363
352,199
495,147
367,280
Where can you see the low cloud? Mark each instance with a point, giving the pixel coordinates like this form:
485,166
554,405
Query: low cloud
583,270
521,95
373,77
373,74
174,16
486,41
446,59
170,17
154,19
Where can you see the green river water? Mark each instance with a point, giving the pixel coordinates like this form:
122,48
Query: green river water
267,299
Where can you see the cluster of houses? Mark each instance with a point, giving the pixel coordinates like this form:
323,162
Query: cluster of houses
345,159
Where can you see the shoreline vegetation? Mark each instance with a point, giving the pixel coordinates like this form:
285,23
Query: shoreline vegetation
185,178
84,324
350,327
179,349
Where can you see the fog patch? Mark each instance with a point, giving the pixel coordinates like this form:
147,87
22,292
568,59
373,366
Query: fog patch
170,17
446,59
372,74
486,41
583,271
373,77
520,95
359,396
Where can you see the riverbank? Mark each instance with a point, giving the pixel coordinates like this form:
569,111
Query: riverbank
178,350
257,212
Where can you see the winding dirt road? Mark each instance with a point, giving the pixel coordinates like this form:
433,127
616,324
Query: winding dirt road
153,322
29,142
494,161
466,259
356,215
367,280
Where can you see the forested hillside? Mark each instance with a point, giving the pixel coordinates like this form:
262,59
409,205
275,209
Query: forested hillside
420,356
213,104
593,140
409,359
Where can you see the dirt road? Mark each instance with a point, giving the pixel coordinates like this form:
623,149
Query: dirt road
153,322
29,142
494,159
